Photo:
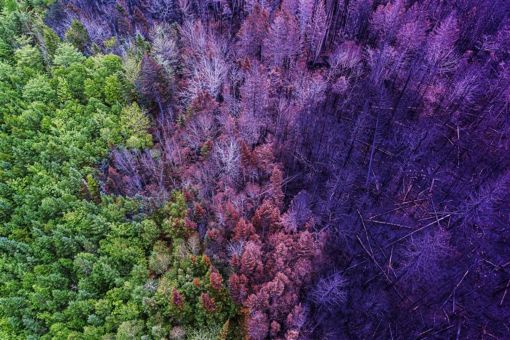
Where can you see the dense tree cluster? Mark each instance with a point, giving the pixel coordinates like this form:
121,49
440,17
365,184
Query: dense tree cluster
76,263
285,169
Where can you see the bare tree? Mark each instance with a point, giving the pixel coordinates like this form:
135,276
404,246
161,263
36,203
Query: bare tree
164,10
423,257
330,292
282,43
441,52
228,158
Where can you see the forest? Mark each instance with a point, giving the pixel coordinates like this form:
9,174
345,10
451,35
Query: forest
254,169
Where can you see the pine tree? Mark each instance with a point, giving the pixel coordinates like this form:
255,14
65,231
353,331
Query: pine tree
78,35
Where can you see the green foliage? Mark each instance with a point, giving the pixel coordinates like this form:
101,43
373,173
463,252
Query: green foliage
5,49
110,43
160,258
184,275
112,89
66,55
132,66
10,5
39,89
130,330
141,46
174,223
134,125
77,35
51,40
76,263
64,252
28,58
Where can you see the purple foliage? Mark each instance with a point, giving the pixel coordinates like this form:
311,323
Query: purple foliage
391,120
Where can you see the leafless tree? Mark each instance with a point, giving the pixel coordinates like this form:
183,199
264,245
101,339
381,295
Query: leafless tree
330,292
423,257
228,157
